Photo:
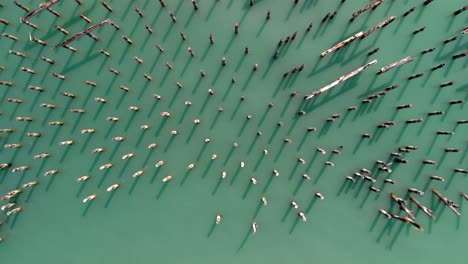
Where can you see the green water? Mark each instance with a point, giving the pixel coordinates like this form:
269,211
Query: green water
151,221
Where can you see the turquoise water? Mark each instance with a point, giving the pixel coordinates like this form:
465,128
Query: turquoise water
148,220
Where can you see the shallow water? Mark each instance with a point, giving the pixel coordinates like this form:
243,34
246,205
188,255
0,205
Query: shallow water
148,220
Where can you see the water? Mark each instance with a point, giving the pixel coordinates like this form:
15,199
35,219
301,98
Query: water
173,222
